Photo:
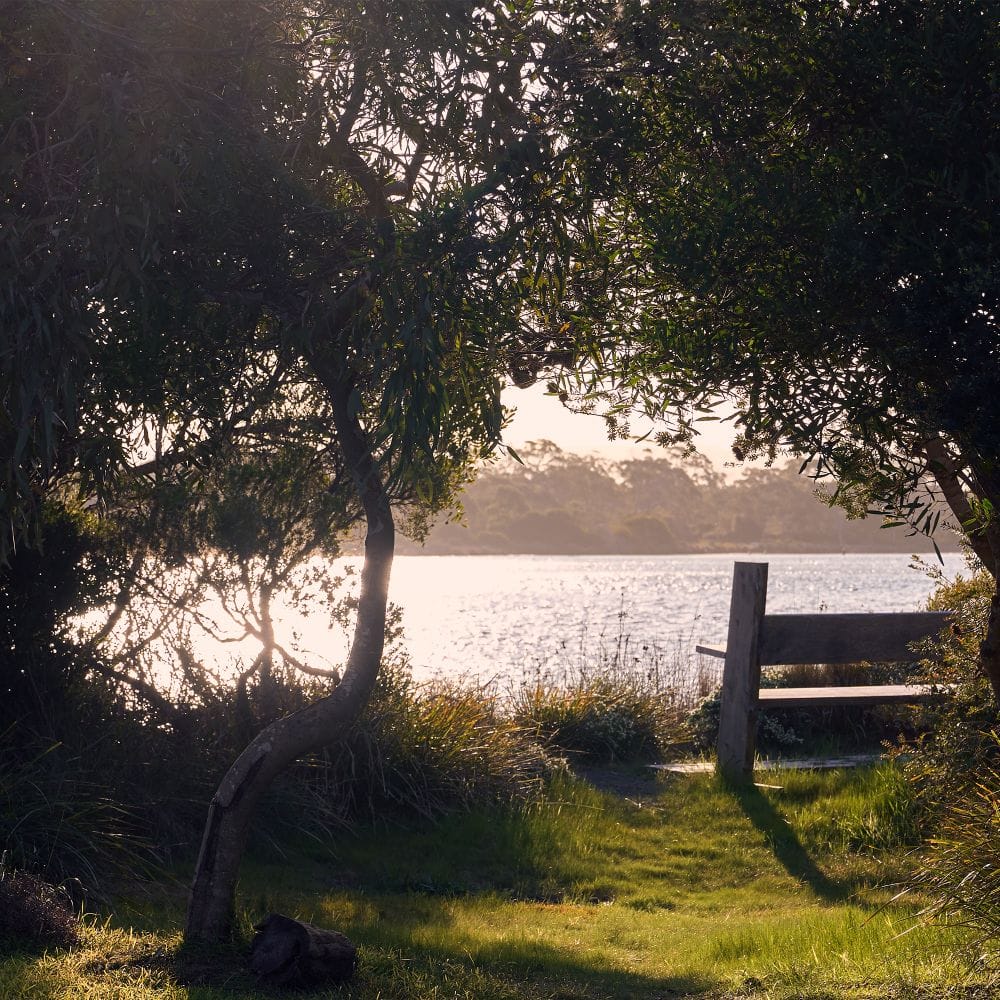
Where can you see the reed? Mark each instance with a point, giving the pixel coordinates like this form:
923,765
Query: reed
612,699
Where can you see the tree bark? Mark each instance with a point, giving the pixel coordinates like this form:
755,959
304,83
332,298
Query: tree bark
268,692
211,905
944,467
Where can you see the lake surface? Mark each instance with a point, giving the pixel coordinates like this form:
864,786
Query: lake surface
509,616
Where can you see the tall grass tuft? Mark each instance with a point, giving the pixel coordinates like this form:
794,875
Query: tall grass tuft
962,871
60,817
597,718
420,750
613,702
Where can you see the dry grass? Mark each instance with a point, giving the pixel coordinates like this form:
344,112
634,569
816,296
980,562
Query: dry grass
35,911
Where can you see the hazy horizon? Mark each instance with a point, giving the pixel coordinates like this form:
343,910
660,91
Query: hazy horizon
542,417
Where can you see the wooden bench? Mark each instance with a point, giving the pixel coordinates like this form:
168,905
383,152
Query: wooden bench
757,639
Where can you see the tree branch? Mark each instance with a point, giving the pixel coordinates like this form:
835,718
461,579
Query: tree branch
143,688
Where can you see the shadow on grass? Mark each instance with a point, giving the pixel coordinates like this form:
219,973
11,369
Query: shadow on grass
393,966
527,967
785,844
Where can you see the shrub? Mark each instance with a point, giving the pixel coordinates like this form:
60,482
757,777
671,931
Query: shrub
955,768
601,717
959,746
962,869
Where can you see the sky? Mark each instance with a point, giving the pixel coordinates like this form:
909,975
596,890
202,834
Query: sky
540,416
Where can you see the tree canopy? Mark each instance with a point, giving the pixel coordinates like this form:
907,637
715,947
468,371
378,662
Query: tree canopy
810,214
288,226
803,220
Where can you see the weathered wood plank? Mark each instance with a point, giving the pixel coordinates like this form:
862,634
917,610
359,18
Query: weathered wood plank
870,694
741,673
835,638
719,651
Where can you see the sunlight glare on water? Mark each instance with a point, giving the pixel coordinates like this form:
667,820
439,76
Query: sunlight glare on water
505,616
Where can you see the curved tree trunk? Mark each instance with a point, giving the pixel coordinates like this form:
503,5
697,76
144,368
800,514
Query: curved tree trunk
212,900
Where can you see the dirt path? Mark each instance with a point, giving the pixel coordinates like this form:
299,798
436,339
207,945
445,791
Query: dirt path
635,782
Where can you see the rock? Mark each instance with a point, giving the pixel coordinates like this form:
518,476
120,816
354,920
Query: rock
287,952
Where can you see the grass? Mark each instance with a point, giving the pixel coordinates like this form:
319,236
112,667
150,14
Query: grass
686,887
612,699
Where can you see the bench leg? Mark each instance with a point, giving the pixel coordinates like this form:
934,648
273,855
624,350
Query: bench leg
741,674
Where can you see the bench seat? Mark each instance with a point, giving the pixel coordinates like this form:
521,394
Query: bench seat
868,694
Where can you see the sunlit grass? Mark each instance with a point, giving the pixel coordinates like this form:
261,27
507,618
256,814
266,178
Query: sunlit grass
696,889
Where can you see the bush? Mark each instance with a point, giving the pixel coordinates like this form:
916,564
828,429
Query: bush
955,768
622,715
959,746
962,869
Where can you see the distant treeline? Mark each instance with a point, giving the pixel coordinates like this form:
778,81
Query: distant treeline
559,502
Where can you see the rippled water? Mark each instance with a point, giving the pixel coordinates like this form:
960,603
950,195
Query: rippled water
497,616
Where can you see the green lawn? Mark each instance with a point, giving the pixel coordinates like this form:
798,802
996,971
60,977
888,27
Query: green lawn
686,887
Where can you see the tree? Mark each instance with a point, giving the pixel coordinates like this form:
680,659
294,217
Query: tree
291,214
804,221
270,519
261,528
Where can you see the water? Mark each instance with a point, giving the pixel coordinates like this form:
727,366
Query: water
505,616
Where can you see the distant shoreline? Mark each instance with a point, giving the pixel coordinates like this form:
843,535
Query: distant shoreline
556,503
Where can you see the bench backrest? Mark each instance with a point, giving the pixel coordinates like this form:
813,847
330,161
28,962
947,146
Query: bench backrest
833,638
757,639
